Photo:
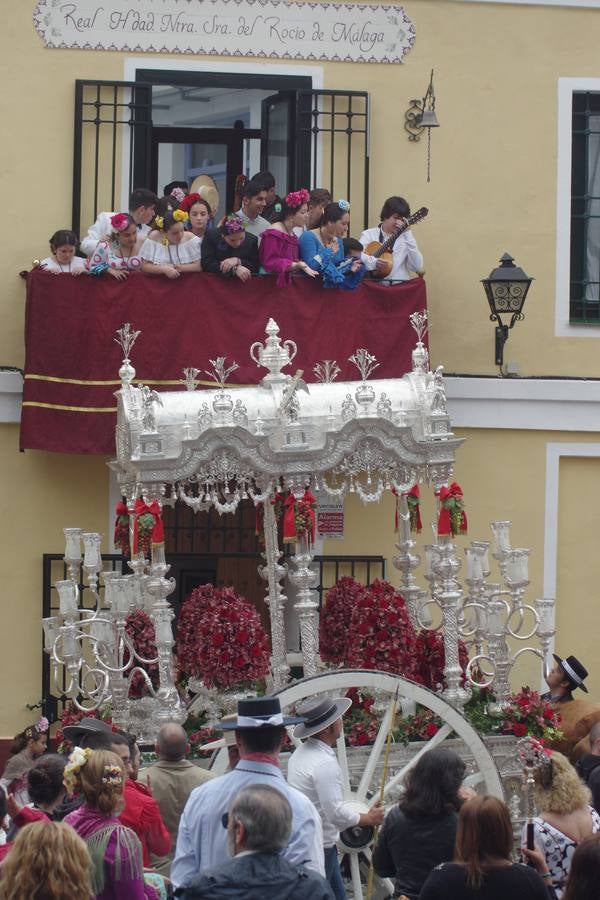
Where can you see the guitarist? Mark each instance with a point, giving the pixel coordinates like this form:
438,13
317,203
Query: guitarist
406,256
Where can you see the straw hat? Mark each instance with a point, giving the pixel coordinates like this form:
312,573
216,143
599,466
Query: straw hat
207,188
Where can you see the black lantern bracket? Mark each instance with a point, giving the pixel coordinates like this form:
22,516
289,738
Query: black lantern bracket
506,289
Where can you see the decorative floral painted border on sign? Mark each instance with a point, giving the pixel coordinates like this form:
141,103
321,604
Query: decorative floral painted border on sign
336,32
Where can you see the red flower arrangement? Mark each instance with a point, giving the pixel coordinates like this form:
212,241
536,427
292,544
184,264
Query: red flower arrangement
529,714
381,636
221,639
430,659
420,727
139,628
336,614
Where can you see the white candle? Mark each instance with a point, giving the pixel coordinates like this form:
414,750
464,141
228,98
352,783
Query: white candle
73,544
501,534
91,551
50,626
470,557
517,566
67,597
545,610
69,643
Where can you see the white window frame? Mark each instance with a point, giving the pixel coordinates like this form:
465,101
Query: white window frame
562,326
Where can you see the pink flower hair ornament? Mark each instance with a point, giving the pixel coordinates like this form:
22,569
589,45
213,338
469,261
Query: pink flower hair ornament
119,222
295,199
233,225
178,193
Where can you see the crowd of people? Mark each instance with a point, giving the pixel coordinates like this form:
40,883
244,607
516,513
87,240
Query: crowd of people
91,825
304,233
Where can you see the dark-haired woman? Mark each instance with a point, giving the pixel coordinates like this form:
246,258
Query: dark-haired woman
27,746
200,214
46,792
483,868
406,256
322,249
419,833
229,250
279,251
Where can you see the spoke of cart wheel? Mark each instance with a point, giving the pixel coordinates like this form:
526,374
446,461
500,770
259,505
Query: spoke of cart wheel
438,738
355,870
378,746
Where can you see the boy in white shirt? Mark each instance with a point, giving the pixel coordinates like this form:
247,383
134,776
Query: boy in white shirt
406,256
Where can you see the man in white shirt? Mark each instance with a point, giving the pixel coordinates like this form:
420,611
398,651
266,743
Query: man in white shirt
313,769
406,256
142,209
254,200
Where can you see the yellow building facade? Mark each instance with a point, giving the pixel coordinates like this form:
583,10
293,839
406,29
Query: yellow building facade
505,75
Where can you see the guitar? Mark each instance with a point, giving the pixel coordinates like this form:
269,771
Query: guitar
384,250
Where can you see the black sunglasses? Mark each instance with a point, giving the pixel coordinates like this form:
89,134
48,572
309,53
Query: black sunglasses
225,820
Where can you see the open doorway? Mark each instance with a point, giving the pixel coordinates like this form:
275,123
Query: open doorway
171,123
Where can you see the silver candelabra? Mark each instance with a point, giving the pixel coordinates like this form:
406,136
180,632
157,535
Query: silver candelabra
484,614
90,643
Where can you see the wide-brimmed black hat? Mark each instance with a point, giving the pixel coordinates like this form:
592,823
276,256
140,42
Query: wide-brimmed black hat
574,670
87,725
258,712
319,713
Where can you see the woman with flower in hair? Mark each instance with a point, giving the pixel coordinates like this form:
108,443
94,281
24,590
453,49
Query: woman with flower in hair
118,255
48,861
229,250
171,250
116,852
565,817
279,250
200,214
322,249
27,746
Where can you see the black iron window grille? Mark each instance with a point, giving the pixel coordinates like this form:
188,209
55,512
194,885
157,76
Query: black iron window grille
338,125
585,209
112,145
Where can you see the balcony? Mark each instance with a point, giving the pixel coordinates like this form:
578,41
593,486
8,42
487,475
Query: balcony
72,362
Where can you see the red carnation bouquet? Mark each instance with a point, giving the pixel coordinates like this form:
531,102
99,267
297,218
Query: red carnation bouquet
221,639
381,635
529,714
139,628
430,659
334,626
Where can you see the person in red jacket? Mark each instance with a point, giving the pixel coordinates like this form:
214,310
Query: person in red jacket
141,812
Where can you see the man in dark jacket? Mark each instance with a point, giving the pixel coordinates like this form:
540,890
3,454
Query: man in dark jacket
588,766
259,825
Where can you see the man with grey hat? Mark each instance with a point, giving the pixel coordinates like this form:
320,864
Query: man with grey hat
314,770
202,838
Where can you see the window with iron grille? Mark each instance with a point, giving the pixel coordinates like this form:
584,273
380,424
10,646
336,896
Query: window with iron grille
585,209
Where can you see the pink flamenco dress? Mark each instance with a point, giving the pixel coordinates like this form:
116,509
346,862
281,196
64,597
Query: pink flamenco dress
277,253
116,853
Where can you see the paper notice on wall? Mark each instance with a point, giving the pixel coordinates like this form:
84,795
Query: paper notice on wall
330,521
